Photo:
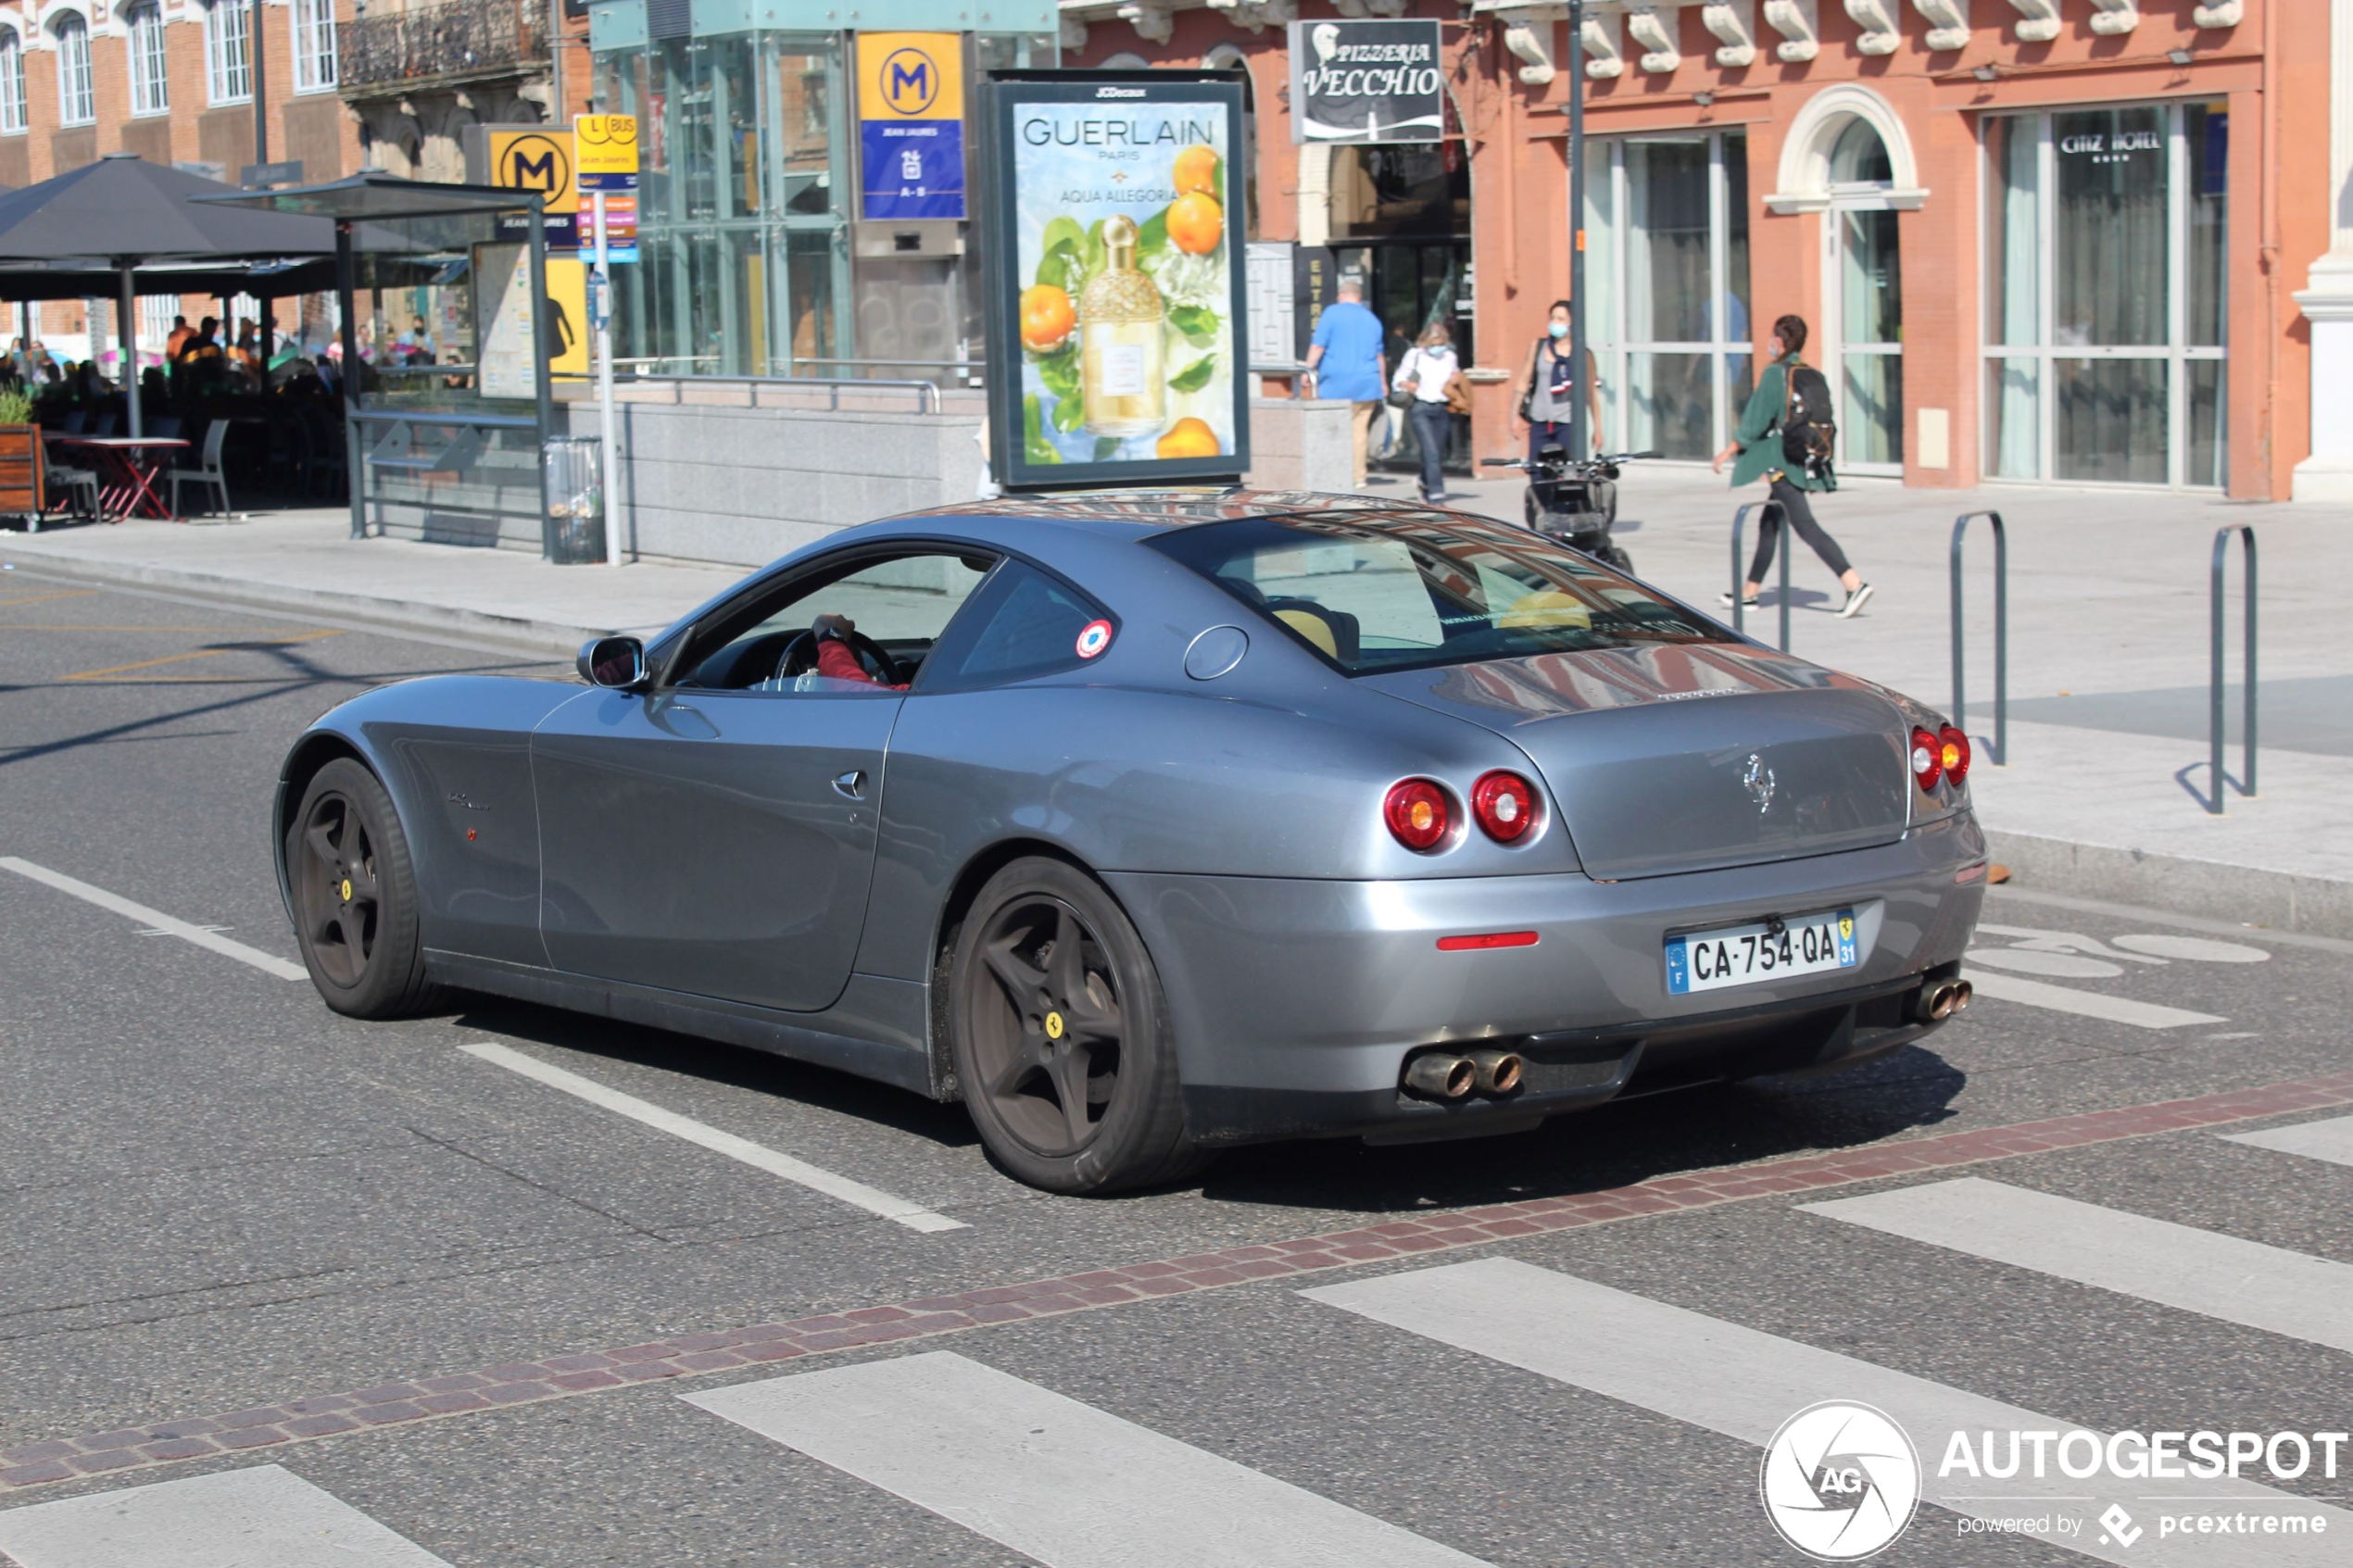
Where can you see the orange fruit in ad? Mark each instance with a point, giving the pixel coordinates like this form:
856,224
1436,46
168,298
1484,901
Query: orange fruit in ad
1196,170
1196,223
1187,437
1046,318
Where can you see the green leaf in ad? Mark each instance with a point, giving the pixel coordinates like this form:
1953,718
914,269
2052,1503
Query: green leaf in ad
1034,447
1196,321
1061,267
1106,448
1094,254
1217,180
1059,370
1152,238
1195,376
1069,410
1061,232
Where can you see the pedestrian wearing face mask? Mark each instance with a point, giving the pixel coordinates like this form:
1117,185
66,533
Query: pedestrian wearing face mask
1547,388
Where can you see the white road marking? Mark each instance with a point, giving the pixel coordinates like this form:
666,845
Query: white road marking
2174,1265
2089,1004
2042,940
1744,1384
2330,1140
2033,960
1056,1480
265,1517
857,1194
203,936
2196,950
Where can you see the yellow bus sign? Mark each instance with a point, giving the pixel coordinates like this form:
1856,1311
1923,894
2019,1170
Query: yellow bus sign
607,145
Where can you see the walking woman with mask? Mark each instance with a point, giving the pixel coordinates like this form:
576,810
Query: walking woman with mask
1547,388
1762,446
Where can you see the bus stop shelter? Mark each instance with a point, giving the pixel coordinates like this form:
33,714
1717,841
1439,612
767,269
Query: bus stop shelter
445,348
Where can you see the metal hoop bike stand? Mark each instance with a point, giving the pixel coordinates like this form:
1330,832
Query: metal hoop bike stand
1782,552
2245,531
2000,752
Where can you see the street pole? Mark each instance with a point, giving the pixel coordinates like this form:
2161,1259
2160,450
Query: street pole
1579,443
600,320
260,156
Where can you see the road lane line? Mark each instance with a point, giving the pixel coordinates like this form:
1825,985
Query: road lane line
44,598
2198,1271
1056,1480
1744,1384
2330,1140
258,646
2088,1004
265,1517
855,1193
212,941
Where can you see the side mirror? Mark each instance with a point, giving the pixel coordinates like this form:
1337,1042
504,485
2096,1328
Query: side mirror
616,664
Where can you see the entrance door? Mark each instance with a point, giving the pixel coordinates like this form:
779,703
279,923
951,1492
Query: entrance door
1864,316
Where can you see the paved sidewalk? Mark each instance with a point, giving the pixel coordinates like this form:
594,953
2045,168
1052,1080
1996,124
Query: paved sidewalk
2103,795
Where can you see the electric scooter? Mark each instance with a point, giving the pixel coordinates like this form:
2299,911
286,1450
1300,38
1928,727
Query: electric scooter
1575,502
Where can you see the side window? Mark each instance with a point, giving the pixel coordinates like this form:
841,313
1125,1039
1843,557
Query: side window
897,607
1022,625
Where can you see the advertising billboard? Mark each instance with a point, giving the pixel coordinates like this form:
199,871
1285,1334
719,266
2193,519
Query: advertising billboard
1113,267
1366,82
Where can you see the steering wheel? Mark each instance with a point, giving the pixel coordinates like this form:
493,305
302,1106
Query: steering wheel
799,657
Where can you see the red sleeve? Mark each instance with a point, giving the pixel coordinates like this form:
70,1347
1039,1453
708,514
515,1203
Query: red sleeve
836,662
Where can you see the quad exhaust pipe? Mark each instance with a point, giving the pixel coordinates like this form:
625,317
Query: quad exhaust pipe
1449,1075
1942,1000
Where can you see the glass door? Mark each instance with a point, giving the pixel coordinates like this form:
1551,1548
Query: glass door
1863,319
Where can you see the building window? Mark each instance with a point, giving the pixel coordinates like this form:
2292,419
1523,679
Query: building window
1667,288
150,85
227,65
75,104
11,81
2105,304
314,34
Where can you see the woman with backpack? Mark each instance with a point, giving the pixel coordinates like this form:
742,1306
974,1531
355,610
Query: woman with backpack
1544,396
1786,437
1429,383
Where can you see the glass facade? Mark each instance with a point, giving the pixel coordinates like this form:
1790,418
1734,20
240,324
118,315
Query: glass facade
1862,334
2105,295
1667,288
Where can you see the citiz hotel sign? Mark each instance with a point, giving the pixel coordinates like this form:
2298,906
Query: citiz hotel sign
1366,82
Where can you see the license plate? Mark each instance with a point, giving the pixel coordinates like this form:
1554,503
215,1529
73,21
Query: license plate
1745,955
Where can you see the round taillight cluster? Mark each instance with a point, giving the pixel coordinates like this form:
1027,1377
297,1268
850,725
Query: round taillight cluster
1419,813
1943,755
1505,806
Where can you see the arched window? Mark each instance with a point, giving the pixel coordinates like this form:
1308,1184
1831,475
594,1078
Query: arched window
1859,155
76,105
228,63
150,82
11,83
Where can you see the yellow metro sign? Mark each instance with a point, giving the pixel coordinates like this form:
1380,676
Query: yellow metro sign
535,160
608,150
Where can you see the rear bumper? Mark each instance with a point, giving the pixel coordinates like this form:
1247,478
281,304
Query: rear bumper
1296,1003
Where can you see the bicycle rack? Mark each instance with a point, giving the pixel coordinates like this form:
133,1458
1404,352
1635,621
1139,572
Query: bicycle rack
2000,752
2245,531
1739,522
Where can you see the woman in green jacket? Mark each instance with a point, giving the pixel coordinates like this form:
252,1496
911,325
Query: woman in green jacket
1758,445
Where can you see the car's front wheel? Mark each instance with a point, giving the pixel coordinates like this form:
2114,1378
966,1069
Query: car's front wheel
354,897
1061,1036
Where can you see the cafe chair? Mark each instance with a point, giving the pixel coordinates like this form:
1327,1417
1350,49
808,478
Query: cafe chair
207,472
70,490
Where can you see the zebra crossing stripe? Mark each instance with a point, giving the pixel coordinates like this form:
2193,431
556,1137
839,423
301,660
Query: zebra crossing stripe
2330,1140
263,1517
2198,1271
1059,1481
1743,1383
2086,1004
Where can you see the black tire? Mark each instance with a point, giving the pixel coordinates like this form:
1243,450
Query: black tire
1061,1036
1615,557
354,897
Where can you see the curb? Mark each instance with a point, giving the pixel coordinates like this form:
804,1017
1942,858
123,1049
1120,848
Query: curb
2240,894
511,634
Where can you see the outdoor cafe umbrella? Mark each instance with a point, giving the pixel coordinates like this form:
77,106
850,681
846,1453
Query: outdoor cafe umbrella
123,210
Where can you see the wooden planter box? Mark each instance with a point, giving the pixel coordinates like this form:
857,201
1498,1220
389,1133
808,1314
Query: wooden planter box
21,471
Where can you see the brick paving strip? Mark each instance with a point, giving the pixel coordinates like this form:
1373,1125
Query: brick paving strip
557,1378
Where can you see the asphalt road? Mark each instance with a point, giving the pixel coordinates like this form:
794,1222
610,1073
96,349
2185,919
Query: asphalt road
221,1198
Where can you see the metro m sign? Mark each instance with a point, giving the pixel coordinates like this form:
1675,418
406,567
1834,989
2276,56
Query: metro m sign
911,131
537,158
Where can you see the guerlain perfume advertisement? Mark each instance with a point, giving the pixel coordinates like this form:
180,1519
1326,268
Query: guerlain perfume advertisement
1112,270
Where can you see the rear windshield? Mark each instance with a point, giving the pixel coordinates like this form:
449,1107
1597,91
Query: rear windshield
1411,590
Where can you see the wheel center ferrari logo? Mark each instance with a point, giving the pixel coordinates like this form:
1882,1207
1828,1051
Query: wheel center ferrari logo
346,890
1054,1027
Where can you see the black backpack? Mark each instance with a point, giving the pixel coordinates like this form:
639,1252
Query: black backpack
1809,429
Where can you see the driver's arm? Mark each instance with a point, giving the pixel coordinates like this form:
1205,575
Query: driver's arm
835,661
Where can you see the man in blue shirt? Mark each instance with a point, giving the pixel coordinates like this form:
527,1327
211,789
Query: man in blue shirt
1347,360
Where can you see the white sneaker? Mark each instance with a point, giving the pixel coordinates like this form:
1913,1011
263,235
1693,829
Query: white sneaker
1725,598
1855,602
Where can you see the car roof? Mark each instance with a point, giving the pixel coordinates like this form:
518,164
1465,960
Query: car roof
1134,512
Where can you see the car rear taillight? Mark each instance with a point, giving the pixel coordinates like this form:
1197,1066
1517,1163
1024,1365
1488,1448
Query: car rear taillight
1927,764
1419,814
1952,751
1505,806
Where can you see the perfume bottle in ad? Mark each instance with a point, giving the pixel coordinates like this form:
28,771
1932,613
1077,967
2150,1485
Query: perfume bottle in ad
1123,375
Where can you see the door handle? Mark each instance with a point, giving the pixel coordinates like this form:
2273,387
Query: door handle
852,783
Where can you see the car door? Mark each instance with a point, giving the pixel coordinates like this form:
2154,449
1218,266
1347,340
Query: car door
718,839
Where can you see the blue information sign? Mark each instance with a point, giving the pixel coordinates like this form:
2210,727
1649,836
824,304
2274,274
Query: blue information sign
912,168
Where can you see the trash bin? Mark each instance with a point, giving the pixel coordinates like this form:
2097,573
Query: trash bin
572,481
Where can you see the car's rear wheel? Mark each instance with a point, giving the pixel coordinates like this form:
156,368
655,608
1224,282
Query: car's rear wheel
1061,1036
354,897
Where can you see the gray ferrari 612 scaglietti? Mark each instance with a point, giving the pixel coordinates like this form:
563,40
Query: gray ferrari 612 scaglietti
1150,823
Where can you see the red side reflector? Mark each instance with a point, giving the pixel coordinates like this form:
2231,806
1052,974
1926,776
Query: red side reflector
1492,939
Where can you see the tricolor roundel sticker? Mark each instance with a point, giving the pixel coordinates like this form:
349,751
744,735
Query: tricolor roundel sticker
1093,639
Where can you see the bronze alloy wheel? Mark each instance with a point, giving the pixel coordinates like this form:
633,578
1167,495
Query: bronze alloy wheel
1061,1036
353,895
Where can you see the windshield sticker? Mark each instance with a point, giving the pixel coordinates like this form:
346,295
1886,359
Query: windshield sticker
1093,639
